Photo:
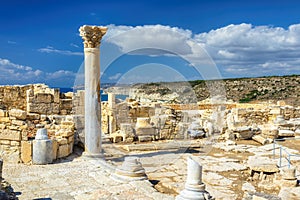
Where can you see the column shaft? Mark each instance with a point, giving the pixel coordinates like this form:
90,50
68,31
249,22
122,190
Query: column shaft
92,101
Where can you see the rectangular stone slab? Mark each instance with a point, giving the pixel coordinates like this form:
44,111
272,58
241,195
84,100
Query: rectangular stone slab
7,134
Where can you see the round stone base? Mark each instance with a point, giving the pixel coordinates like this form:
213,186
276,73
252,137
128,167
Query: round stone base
126,179
194,195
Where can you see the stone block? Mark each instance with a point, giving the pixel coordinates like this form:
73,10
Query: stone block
62,141
4,119
44,98
15,143
70,146
25,126
10,153
67,133
26,151
68,127
3,113
5,142
63,112
2,126
145,131
18,122
18,114
13,127
286,133
70,139
145,138
63,151
7,134
54,149
33,116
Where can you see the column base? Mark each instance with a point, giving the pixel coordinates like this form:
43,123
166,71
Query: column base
92,155
193,195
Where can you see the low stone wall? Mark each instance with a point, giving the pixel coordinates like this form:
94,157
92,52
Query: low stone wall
18,129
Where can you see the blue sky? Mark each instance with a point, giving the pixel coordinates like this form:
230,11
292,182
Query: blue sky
149,40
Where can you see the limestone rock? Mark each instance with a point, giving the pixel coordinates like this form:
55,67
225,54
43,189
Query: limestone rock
26,151
17,113
248,187
262,164
63,151
286,133
243,132
288,193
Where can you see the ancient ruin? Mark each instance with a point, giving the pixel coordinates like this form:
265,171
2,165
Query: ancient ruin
163,141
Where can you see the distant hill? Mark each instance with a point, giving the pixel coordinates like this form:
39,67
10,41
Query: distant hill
241,90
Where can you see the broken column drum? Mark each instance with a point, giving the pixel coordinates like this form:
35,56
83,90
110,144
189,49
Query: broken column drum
92,36
194,188
42,148
130,170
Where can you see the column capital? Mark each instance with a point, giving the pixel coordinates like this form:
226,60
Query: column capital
92,35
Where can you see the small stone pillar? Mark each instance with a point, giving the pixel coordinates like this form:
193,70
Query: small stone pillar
112,112
92,36
42,148
130,170
194,188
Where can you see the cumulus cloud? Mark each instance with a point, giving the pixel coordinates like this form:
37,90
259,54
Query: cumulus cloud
150,39
50,49
244,48
237,50
12,73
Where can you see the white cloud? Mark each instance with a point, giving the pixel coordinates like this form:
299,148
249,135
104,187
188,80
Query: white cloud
11,73
254,49
115,77
50,49
150,39
74,45
238,50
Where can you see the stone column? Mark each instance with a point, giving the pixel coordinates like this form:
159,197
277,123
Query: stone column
92,36
194,187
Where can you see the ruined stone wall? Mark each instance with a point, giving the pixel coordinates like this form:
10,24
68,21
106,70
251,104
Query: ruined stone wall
290,112
259,114
249,117
25,108
36,98
14,97
18,129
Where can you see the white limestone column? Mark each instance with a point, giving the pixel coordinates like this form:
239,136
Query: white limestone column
194,188
92,36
